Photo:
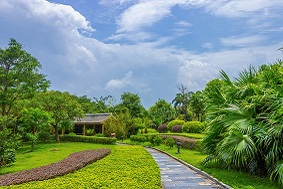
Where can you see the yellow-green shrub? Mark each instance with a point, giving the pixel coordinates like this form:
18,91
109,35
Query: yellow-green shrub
175,122
193,127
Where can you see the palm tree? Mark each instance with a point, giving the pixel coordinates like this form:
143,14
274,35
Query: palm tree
181,101
245,121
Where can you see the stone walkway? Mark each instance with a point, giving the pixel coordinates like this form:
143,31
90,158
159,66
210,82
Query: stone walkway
176,175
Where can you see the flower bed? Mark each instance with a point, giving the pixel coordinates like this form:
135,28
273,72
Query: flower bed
74,162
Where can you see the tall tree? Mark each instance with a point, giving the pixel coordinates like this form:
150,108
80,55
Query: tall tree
181,101
62,106
19,77
133,103
161,112
197,106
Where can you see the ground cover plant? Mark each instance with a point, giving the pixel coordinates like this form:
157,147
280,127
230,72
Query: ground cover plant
70,164
45,154
126,167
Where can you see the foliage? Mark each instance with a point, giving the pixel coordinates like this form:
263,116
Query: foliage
8,145
133,103
181,101
89,132
120,169
162,128
20,76
197,106
169,142
88,139
245,115
161,112
103,104
155,140
193,127
177,129
174,122
63,107
138,138
117,124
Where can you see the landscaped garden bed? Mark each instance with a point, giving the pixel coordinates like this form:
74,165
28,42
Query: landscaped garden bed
74,162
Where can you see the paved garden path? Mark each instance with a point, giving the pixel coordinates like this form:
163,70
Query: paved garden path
177,175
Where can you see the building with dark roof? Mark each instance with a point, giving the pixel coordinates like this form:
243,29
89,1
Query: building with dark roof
91,121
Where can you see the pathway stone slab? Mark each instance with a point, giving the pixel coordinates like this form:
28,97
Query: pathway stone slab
175,175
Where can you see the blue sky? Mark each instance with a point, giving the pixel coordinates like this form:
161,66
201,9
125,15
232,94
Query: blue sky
146,47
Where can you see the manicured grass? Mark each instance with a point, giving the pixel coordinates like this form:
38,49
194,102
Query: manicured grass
126,167
45,154
232,178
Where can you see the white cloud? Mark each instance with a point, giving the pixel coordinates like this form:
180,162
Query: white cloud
242,41
119,83
184,24
207,45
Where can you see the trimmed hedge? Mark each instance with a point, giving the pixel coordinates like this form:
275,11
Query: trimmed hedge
187,143
128,167
162,128
177,129
193,127
175,122
138,138
88,139
74,162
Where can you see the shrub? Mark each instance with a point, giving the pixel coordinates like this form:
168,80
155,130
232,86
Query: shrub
99,135
177,129
187,143
162,128
89,132
155,140
88,139
8,144
175,122
193,127
44,136
169,142
72,134
138,138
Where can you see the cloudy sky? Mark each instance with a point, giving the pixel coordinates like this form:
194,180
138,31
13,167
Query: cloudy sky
146,47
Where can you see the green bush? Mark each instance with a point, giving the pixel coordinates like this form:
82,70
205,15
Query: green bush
44,136
155,140
88,139
8,145
169,142
138,138
193,127
175,122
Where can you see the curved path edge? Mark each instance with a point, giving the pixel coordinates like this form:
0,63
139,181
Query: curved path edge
199,171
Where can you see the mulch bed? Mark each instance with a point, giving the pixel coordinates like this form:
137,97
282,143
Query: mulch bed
70,164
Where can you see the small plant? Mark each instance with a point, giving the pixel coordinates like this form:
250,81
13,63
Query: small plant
155,140
33,138
89,132
162,128
169,142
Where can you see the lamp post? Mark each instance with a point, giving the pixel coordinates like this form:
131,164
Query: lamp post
178,146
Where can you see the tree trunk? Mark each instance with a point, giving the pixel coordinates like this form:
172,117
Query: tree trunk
56,134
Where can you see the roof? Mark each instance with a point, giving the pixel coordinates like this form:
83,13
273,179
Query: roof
93,118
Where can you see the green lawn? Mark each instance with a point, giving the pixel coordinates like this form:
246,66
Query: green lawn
45,154
126,167
232,178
